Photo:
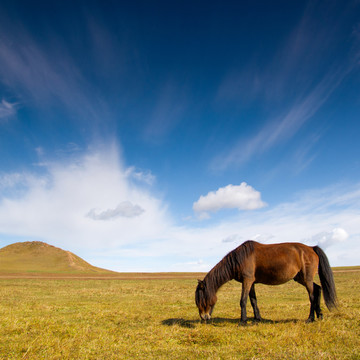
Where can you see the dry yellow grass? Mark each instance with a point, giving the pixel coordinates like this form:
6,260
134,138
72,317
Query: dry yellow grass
142,319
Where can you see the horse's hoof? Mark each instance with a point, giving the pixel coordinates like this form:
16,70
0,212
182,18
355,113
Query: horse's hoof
309,320
243,323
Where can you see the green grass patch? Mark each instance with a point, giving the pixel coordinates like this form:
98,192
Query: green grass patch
142,319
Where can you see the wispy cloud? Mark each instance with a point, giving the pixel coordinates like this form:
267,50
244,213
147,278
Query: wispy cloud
7,109
46,76
283,128
170,106
292,87
305,155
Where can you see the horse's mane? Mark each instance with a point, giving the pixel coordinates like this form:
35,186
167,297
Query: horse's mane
226,269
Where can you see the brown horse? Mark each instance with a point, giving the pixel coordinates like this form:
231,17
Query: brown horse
274,264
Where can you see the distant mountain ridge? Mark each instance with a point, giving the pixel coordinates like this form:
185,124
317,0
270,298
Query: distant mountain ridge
39,257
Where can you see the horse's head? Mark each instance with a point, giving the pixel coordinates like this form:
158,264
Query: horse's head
204,300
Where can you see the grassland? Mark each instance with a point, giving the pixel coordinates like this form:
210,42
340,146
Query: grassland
140,318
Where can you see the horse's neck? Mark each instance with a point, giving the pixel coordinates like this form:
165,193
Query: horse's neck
218,276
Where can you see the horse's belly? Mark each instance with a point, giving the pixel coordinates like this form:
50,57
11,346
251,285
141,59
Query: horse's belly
275,275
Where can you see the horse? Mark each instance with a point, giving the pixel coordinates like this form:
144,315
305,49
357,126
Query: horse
271,264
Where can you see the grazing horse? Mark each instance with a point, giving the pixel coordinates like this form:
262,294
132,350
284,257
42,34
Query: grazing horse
274,264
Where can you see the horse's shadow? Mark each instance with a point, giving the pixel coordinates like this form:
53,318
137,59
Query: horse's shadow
181,322
218,320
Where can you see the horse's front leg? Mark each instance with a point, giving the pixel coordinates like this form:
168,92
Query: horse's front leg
246,286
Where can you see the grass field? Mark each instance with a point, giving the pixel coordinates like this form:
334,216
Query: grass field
157,318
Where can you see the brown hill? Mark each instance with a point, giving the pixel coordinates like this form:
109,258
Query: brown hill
39,257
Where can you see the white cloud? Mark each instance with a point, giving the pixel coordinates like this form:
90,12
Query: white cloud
334,211
142,176
125,209
263,238
233,238
242,197
53,205
17,183
328,238
10,180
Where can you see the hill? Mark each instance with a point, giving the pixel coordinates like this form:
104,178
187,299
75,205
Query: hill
39,257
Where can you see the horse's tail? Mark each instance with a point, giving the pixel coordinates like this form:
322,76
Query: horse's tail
326,279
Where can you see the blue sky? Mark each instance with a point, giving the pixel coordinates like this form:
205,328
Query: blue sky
158,136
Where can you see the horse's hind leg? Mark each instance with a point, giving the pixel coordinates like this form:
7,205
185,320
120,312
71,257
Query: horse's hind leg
310,289
317,297
253,301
